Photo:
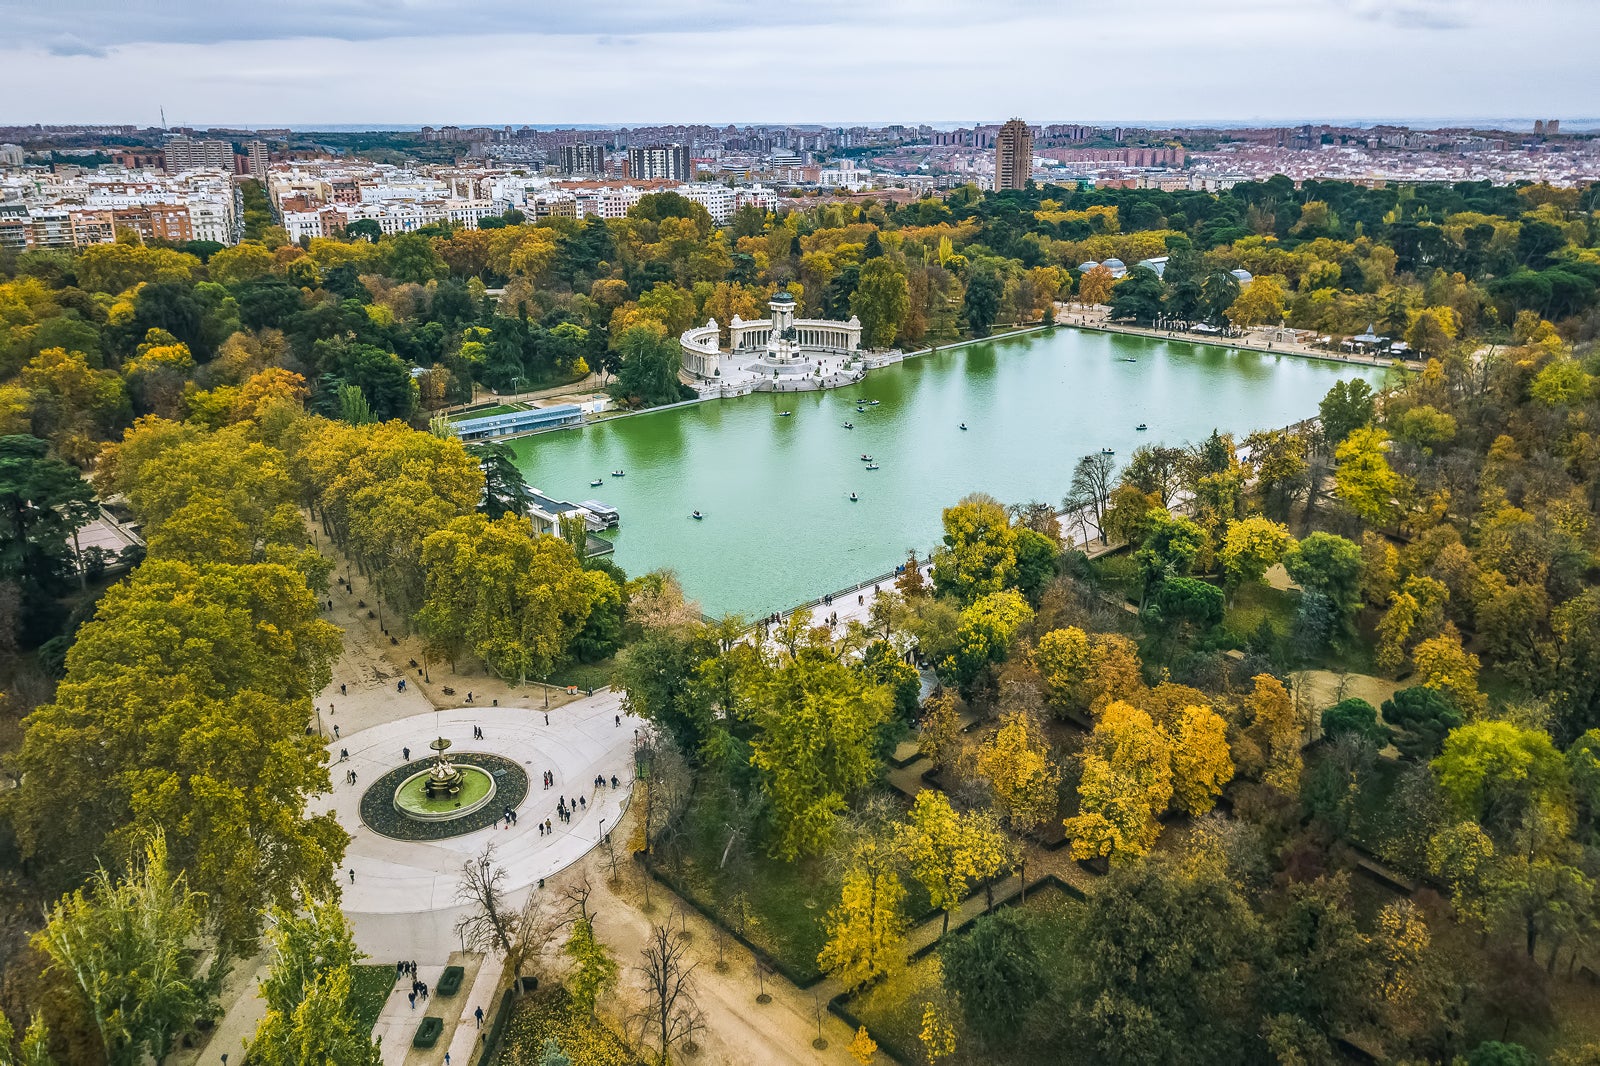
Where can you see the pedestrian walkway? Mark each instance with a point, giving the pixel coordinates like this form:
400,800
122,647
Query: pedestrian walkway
403,901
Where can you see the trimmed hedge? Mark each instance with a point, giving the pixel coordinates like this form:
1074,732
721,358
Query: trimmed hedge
428,1032
450,981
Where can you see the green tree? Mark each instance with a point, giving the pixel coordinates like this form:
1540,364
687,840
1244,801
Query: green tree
816,725
981,304
1356,716
648,375
1329,565
1188,601
311,953
43,503
1507,778
656,674
1167,953
882,301
1348,406
984,637
504,490
996,975
1425,716
124,950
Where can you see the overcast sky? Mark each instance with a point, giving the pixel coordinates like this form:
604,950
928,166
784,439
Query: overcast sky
277,62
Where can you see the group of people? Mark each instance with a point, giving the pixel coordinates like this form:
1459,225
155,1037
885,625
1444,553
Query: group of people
508,816
349,777
600,780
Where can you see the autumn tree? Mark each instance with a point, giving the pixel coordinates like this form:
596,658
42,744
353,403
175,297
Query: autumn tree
1250,547
934,845
866,929
1262,302
594,970
1016,762
979,550
1126,782
1273,733
215,667
1202,763
1365,481
518,599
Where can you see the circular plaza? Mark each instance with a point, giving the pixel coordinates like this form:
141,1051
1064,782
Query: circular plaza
407,847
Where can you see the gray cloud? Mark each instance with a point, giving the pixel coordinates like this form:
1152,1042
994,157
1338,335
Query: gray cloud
70,44
485,61
108,23
1421,14
86,25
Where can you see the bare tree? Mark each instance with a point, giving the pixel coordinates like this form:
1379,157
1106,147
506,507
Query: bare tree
491,922
666,781
670,1015
1092,481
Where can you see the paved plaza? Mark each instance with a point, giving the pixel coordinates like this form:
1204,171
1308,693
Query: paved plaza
402,902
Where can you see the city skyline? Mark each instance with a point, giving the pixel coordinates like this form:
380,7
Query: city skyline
328,64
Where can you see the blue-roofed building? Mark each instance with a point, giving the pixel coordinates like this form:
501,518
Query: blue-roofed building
489,427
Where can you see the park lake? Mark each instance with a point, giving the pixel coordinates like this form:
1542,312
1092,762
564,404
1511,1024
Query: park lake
779,526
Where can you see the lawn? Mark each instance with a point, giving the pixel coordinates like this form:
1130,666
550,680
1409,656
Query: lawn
776,905
586,676
548,1014
369,991
488,412
1256,604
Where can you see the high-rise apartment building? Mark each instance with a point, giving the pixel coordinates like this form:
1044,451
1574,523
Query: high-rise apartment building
258,158
1013,155
583,159
183,153
660,162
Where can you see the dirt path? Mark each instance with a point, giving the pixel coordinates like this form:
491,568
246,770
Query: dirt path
739,1031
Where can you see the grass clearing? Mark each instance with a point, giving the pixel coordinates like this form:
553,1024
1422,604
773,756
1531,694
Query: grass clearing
370,987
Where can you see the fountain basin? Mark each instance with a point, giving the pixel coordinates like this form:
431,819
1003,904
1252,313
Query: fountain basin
477,790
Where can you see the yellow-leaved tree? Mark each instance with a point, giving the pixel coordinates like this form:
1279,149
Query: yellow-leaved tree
866,929
1126,783
1016,762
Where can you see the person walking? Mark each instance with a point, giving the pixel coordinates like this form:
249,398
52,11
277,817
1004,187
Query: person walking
352,877
405,753
413,998
335,727
479,1014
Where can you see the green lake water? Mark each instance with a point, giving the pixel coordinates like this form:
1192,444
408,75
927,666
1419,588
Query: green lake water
779,526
